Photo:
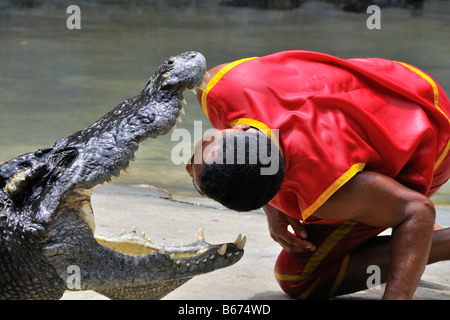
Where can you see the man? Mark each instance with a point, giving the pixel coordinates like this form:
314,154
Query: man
363,144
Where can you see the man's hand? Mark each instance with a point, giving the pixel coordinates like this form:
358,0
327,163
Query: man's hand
278,228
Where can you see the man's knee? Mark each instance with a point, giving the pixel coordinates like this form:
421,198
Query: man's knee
291,276
301,279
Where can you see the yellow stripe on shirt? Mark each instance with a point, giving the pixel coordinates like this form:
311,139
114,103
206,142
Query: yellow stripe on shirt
436,104
217,78
332,189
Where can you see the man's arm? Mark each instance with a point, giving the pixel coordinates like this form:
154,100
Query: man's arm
278,223
380,201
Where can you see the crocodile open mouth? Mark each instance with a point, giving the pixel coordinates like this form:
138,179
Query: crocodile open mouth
185,256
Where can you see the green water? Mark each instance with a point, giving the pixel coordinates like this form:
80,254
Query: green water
55,81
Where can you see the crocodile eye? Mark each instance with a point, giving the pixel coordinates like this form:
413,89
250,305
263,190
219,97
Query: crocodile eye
18,182
63,158
19,185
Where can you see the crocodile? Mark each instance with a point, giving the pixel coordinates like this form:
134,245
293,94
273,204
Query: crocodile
47,241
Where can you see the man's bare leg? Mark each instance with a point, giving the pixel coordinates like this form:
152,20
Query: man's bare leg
377,252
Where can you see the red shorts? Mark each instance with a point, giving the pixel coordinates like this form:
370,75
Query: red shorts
318,274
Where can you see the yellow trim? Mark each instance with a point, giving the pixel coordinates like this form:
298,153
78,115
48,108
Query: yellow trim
260,126
217,78
320,253
436,104
332,189
288,277
442,157
305,294
340,276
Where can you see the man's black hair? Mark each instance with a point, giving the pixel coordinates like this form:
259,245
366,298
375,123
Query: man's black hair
247,174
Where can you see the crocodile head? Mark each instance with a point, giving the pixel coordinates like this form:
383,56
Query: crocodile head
47,242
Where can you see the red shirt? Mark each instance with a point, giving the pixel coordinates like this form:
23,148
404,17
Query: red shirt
336,117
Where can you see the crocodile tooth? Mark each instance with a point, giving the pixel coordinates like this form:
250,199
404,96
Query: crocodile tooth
193,90
238,239
202,86
241,244
162,250
201,235
207,75
212,257
143,233
182,109
86,207
222,250
127,170
179,119
183,101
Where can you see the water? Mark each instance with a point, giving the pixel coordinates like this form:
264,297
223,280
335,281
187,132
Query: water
55,81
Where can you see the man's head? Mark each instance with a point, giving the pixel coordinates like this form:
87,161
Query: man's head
242,168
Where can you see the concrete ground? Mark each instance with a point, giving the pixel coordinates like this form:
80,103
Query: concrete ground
171,219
